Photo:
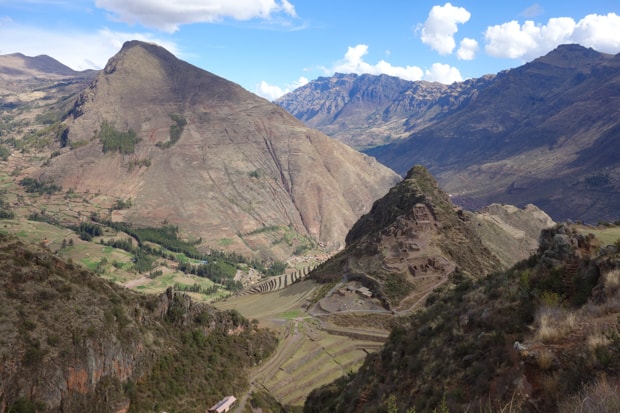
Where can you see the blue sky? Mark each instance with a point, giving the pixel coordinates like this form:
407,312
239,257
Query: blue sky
272,46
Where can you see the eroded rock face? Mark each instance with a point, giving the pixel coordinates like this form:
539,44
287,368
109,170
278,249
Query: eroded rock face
558,243
239,164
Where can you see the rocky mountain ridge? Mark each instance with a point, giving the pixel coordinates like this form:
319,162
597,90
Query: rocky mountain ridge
364,111
543,133
414,240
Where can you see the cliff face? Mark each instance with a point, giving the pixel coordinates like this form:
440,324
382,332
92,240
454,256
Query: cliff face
210,157
364,111
72,342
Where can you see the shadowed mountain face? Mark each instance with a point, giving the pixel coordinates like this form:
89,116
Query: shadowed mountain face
544,133
203,153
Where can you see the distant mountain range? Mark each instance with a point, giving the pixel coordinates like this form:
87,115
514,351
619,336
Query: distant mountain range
545,133
365,110
19,65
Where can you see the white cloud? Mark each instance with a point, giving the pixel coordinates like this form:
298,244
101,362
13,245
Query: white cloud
467,49
272,92
268,91
168,15
353,62
441,25
529,40
601,32
78,50
443,73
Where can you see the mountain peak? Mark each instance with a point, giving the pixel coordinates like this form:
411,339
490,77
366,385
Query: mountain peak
20,65
218,161
139,57
571,56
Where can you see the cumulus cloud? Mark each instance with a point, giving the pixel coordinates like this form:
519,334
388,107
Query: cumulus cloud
530,40
272,92
168,15
439,28
467,49
599,32
78,50
443,73
353,62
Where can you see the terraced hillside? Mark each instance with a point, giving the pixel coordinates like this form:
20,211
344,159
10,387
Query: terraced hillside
312,351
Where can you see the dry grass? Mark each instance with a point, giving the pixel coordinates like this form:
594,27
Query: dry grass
554,323
601,396
596,340
611,291
611,282
545,359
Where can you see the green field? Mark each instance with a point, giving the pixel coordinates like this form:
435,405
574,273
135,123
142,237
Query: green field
608,235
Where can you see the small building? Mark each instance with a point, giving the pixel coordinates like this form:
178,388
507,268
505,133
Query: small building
223,405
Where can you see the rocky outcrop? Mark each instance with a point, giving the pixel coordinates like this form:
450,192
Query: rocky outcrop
409,243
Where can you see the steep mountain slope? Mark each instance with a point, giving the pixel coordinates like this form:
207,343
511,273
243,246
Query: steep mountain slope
525,340
414,240
200,152
364,111
511,233
544,133
72,342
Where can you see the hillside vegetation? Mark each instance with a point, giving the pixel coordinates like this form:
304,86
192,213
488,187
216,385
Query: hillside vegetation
74,342
542,336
